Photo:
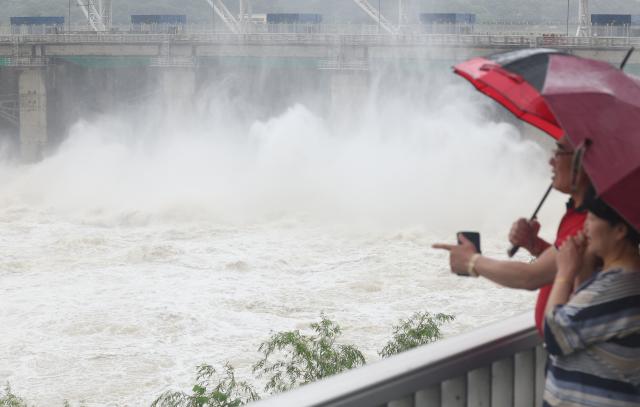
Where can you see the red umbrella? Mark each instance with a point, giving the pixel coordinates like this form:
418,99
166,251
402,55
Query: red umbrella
595,103
515,79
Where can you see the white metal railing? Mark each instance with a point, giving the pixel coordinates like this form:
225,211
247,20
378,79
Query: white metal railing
471,40
501,365
339,65
23,61
491,28
173,61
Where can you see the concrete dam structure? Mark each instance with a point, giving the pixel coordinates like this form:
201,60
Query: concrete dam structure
51,80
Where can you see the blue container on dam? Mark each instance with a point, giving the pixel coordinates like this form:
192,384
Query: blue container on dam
158,23
294,18
36,25
447,18
159,19
611,25
448,23
611,19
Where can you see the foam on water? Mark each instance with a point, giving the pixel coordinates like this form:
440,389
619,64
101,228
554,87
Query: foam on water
137,251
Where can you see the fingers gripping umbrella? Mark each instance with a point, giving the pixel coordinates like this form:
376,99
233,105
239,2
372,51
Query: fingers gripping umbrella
596,104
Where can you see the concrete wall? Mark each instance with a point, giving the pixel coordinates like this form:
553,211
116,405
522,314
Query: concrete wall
33,113
179,88
349,91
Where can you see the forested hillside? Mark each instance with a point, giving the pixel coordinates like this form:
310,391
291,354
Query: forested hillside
333,10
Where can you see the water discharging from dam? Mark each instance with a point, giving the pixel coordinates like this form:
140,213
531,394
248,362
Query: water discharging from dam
148,243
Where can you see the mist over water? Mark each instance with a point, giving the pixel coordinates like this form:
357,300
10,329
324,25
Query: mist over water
438,162
153,239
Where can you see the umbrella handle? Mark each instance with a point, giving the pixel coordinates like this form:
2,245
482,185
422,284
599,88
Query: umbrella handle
514,249
626,58
512,252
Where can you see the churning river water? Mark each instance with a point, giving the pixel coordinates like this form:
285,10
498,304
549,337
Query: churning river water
126,261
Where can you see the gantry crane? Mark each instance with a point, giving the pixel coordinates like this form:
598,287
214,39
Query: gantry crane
376,14
584,19
98,13
225,15
234,24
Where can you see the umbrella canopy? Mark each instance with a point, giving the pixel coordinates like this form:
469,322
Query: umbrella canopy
596,104
599,108
515,80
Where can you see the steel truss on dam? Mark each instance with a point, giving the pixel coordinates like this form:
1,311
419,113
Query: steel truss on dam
99,14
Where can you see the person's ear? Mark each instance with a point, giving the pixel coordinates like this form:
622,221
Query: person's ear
620,231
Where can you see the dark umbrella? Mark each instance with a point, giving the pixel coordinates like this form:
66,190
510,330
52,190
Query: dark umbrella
599,108
595,103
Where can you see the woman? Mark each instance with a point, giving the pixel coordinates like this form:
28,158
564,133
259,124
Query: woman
593,336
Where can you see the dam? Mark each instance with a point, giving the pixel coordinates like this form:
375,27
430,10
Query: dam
37,70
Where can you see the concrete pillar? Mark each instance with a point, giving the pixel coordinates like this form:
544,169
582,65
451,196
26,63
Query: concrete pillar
349,92
108,88
33,113
179,88
349,80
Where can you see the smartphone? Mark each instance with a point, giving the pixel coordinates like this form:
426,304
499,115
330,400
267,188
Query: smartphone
474,237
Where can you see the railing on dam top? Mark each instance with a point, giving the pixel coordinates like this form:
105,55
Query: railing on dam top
501,365
484,27
456,40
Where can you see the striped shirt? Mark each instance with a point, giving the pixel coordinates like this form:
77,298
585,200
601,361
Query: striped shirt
594,344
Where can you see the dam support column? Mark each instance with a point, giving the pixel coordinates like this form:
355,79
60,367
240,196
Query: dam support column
349,89
349,81
33,113
179,88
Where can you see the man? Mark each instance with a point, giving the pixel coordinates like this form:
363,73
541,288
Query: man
540,273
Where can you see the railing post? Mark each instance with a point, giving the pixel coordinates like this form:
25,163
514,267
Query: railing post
454,392
479,387
524,379
405,402
429,397
502,383
541,365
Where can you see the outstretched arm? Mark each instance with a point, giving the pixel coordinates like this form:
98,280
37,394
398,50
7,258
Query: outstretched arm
513,274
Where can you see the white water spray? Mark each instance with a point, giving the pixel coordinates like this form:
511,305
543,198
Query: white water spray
145,245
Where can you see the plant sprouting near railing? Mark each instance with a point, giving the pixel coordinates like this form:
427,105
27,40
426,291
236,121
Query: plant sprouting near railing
291,358
419,329
8,399
211,389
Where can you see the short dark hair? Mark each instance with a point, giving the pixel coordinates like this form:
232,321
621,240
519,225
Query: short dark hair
601,209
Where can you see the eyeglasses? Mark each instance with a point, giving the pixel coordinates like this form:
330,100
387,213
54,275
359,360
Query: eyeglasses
561,150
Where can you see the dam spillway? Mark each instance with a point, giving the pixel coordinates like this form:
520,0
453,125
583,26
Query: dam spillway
34,69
